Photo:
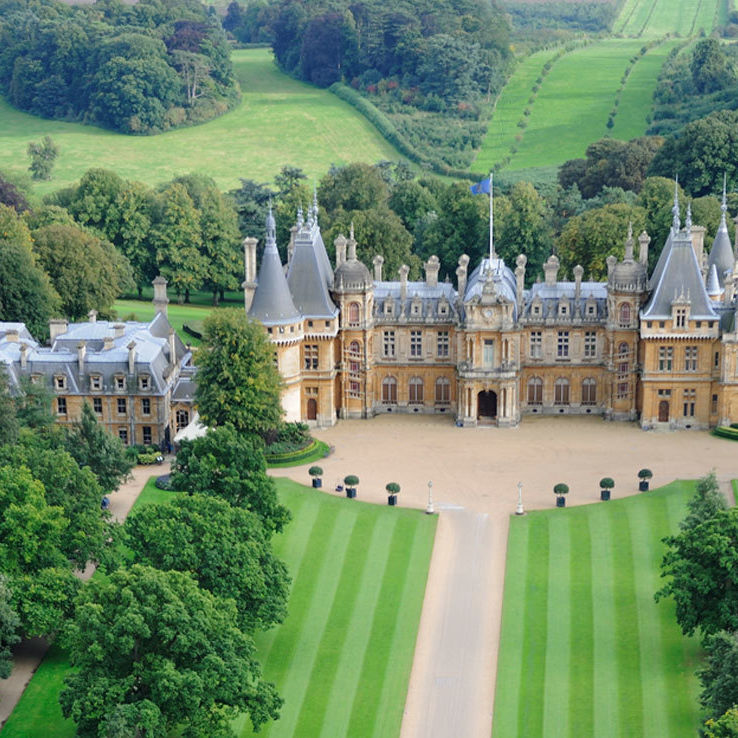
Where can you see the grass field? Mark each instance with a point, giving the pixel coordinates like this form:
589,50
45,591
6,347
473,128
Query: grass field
342,658
279,121
654,18
585,650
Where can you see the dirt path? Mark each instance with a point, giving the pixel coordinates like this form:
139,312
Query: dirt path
452,685
28,655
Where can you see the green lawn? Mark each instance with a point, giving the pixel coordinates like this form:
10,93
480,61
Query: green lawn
654,18
342,658
279,121
585,650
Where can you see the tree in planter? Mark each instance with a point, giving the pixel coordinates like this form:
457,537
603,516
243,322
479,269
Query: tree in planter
606,484
351,482
316,473
644,475
561,490
393,489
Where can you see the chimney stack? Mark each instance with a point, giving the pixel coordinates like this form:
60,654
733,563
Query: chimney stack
698,242
131,357
403,271
461,275
611,261
378,261
172,348
249,271
81,353
578,274
119,329
340,244
92,316
520,263
160,294
551,269
57,326
107,343
432,267
24,355
12,336
352,245
643,240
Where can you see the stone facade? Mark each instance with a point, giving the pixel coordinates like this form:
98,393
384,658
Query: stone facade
488,350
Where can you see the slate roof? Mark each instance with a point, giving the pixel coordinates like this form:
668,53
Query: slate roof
430,300
721,254
306,277
500,274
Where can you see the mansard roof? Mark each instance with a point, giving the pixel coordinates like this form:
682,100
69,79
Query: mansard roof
272,303
679,279
306,276
496,271
430,297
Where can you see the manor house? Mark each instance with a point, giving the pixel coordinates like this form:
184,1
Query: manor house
488,350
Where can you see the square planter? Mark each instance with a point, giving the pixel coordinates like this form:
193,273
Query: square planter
604,495
643,485
350,492
561,502
392,500
317,482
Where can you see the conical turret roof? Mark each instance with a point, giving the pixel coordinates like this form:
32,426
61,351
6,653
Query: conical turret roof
721,254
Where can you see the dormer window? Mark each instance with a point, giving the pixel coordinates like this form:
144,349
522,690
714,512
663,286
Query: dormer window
415,309
590,309
443,309
120,382
144,382
36,378
680,317
563,309
388,307
536,310
60,382
95,382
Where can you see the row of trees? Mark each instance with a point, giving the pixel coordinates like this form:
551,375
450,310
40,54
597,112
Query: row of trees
701,564
138,68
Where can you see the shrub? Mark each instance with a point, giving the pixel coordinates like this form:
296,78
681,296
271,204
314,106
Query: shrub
607,483
315,471
645,474
561,489
393,488
351,480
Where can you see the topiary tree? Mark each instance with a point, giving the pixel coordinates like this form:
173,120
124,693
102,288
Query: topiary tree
351,482
606,484
393,489
644,475
316,473
561,490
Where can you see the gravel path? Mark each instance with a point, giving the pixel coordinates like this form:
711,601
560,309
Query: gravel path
475,472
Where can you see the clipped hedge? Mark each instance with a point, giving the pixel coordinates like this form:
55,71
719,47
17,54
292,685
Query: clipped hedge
293,458
723,431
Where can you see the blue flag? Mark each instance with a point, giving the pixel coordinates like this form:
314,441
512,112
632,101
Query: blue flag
480,187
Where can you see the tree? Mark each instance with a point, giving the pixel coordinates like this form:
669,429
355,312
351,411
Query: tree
152,648
12,195
657,199
237,381
225,548
702,562
588,239
710,67
8,417
231,466
88,273
9,624
91,445
410,200
352,187
706,502
726,726
251,201
43,155
719,676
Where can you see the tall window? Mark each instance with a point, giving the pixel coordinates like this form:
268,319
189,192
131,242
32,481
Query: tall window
689,402
536,345
561,391
60,382
389,390
562,346
120,382
95,382
183,419
443,390
690,358
589,391
354,357
353,313
624,315
666,357
416,343
680,317
442,344
311,356
590,345
714,405
388,344
416,391
97,405
144,382
122,406
123,435
61,405
145,406
488,352
535,391
146,435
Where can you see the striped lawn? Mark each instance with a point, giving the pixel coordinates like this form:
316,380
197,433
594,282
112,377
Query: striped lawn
342,658
585,650
653,18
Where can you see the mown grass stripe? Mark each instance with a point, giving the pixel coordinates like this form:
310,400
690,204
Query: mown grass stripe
376,655
315,702
510,659
556,686
581,630
530,707
397,668
605,676
630,699
648,523
342,692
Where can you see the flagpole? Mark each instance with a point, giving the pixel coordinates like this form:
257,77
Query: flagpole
491,219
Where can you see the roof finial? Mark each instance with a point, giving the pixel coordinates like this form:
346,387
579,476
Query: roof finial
688,221
724,205
675,221
315,204
351,231
300,217
271,226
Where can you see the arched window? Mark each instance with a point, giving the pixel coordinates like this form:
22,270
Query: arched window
183,419
589,391
624,314
443,390
389,391
535,391
415,388
561,391
353,313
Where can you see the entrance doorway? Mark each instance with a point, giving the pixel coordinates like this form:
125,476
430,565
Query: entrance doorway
312,409
664,411
487,404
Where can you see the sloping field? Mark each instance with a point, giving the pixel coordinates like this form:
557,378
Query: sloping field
654,18
585,650
571,108
342,658
279,121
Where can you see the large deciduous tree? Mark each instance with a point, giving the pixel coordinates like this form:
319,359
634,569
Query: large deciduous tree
225,548
9,624
237,381
153,651
719,675
231,466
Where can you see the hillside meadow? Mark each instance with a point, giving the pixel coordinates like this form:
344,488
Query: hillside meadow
279,121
